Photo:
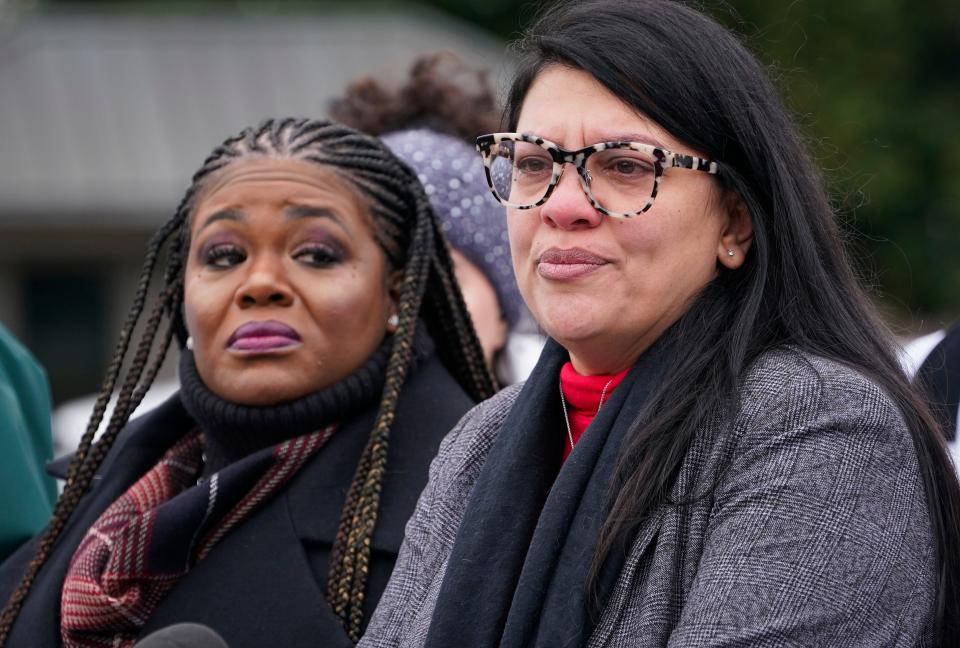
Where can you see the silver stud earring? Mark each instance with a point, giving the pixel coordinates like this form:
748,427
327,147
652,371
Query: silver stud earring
393,320
730,252
189,343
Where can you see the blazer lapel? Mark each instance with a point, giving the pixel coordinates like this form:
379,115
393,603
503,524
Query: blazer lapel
695,477
630,570
317,497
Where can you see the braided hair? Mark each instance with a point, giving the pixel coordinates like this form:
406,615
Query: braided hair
410,237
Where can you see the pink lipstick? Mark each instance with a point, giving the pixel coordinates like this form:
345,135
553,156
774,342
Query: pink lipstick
263,336
560,264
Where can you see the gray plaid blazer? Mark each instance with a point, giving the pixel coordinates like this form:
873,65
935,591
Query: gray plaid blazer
815,531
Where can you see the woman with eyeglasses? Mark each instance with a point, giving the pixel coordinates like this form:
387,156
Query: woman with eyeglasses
717,447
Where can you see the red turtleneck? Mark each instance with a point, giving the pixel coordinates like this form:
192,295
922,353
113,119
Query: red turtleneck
582,394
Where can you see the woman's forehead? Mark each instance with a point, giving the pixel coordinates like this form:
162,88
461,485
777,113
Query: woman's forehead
265,169
247,178
281,185
571,108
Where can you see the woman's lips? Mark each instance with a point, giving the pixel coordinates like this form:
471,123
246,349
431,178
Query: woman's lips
560,264
263,336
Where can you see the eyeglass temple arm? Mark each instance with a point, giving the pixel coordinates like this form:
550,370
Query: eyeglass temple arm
693,162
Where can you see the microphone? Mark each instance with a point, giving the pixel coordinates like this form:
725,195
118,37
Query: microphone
183,635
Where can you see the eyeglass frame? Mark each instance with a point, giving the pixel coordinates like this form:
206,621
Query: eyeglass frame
662,159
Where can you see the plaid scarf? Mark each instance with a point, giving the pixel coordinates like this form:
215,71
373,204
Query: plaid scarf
148,539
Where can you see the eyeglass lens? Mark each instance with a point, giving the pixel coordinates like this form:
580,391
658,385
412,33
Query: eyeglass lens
620,179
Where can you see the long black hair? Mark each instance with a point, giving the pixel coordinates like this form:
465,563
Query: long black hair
408,233
695,79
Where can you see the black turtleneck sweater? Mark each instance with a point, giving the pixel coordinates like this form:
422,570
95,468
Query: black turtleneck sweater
232,431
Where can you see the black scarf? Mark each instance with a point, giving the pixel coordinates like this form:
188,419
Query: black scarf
518,571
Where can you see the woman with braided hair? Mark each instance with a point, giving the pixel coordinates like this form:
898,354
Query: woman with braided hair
312,294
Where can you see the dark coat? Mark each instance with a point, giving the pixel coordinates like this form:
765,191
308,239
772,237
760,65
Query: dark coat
264,583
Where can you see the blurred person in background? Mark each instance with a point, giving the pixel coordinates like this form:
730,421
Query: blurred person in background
933,362
717,446
309,286
430,122
27,493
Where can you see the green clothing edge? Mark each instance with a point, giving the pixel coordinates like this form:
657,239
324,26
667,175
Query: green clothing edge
27,493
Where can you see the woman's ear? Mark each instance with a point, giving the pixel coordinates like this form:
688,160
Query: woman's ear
394,280
737,233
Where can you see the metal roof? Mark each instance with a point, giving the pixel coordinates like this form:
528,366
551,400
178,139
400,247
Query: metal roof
103,115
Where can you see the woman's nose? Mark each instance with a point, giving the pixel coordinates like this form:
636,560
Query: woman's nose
266,284
568,206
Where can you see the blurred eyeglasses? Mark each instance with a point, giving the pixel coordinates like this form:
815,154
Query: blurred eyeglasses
621,179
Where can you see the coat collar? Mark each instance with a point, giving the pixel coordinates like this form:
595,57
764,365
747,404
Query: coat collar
302,516
151,434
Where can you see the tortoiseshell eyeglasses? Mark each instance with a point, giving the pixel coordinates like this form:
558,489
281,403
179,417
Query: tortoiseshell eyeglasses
620,179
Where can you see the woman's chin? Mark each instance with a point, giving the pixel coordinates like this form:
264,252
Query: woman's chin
267,380
569,327
263,397
261,391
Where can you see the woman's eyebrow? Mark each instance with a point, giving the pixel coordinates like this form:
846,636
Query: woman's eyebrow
295,212
612,136
643,138
223,214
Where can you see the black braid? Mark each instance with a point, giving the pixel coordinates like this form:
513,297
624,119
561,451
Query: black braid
80,471
360,512
84,464
411,239
429,292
